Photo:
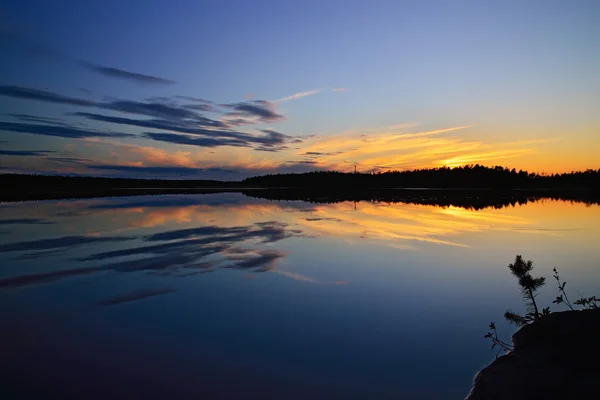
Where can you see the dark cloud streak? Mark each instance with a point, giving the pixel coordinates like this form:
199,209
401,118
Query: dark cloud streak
160,170
263,110
122,74
192,128
59,131
25,153
42,95
37,119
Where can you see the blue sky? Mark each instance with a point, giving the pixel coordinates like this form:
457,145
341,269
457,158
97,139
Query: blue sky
294,86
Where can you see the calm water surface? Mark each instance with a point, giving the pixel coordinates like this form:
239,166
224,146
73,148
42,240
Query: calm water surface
223,296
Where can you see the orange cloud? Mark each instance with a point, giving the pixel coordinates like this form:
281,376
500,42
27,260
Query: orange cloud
392,148
155,156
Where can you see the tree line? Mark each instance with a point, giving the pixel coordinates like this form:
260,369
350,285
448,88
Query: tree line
468,176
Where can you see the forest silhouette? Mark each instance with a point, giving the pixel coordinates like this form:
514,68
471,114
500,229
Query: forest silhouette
470,186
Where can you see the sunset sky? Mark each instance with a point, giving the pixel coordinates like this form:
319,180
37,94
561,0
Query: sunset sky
230,89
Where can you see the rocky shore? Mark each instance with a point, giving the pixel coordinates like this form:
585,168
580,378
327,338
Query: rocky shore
557,357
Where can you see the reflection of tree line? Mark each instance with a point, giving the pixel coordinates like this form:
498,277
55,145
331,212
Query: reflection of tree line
331,186
43,187
468,199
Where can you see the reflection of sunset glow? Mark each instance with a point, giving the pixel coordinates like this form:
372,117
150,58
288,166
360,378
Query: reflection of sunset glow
397,225
401,222
190,235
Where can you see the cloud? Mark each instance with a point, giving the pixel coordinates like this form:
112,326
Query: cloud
25,221
151,109
38,119
199,104
40,50
271,149
339,89
310,162
59,131
161,170
122,74
196,99
190,127
297,95
257,110
396,150
42,95
318,153
270,140
166,115
154,109
197,126
67,160
25,153
199,107
194,141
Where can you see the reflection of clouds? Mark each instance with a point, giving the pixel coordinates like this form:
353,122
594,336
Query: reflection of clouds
134,296
179,252
297,277
59,243
172,235
401,222
257,260
33,279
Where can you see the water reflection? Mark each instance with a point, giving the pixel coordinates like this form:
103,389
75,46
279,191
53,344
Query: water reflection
472,199
344,297
186,251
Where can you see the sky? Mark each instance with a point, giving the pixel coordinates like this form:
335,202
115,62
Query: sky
231,89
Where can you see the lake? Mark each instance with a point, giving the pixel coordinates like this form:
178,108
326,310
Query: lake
227,296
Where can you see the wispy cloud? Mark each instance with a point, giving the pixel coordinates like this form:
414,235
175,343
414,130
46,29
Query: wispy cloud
127,75
40,50
179,123
34,153
257,111
389,149
42,95
161,171
339,89
297,95
60,131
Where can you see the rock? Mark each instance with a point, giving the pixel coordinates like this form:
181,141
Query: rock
557,357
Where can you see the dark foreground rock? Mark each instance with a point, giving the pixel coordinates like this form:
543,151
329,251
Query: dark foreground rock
557,357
